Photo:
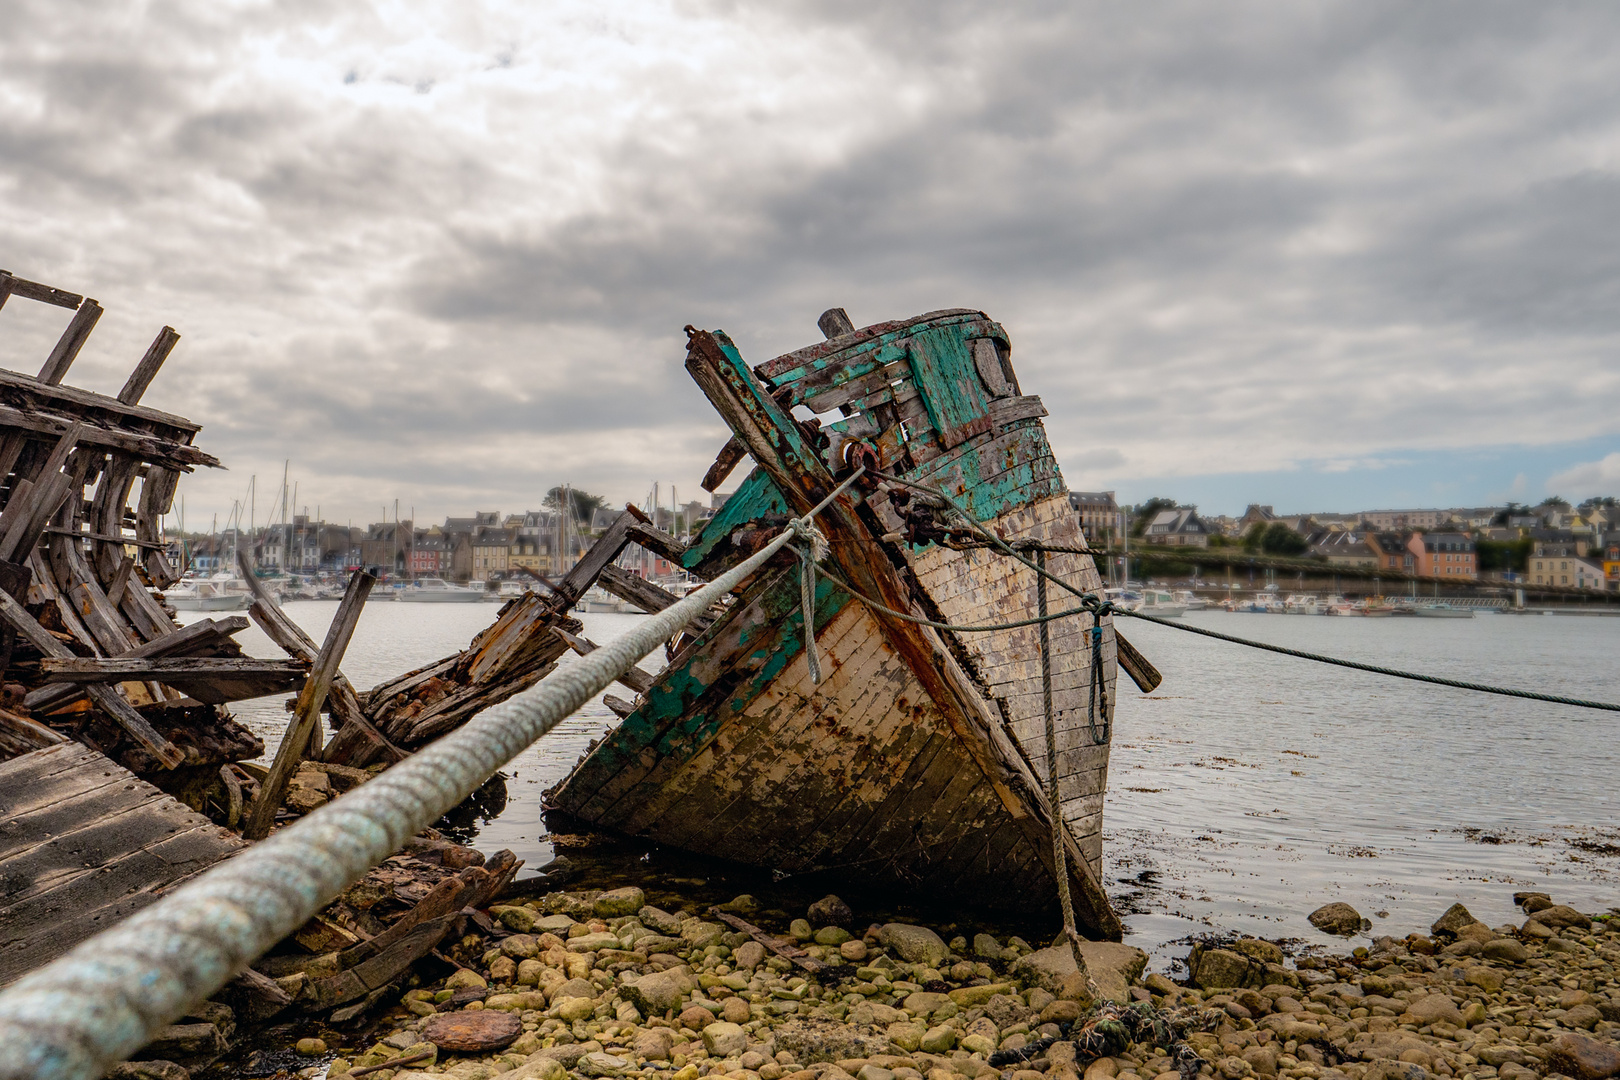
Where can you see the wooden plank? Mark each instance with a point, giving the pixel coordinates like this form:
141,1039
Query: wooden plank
29,394
345,706
45,294
105,698
306,715
157,496
120,581
200,638
147,369
27,512
88,845
125,668
775,944
147,447
658,542
729,458
19,734
583,574
634,589
43,777
618,706
69,344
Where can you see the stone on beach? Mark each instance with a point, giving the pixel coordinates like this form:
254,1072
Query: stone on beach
1113,967
917,944
466,1031
1455,918
1337,918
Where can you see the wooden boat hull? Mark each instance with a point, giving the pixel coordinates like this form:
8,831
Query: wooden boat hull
919,761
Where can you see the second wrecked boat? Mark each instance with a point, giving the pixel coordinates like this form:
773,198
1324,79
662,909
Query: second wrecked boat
919,760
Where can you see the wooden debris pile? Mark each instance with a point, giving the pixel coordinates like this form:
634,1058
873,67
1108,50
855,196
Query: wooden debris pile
88,649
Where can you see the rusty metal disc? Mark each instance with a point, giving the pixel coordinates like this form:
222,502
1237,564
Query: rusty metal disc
477,1030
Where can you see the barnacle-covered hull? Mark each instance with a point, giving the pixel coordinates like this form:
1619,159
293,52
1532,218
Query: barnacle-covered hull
919,760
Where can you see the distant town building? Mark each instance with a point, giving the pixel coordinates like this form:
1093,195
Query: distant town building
1447,554
1343,548
1393,551
1611,560
429,555
1180,527
491,551
1098,513
1386,520
1566,569
1255,515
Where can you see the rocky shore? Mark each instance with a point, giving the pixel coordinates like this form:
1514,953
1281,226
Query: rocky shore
600,984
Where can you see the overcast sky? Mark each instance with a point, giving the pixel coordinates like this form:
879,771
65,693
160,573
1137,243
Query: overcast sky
1325,256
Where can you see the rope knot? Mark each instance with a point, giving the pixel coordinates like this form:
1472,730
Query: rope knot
813,536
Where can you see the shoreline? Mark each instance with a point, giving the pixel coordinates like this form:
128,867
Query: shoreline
591,983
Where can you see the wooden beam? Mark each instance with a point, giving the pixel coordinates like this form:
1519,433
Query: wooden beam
20,735
198,638
1143,674
69,344
104,697
22,524
120,581
45,294
117,669
147,369
781,948
108,538
147,447
28,392
658,542
583,574
645,595
729,457
307,713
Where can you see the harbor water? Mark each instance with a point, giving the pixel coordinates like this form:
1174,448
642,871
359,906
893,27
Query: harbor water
1250,788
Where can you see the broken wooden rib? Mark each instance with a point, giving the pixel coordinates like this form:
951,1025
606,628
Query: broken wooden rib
920,757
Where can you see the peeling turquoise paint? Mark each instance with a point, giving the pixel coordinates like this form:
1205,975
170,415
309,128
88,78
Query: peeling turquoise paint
681,712
754,501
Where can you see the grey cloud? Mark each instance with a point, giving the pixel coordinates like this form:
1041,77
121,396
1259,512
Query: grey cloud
1302,233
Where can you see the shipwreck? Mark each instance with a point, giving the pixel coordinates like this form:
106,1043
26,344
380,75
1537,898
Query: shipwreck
919,761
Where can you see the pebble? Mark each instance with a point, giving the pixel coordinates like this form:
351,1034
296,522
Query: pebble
715,1005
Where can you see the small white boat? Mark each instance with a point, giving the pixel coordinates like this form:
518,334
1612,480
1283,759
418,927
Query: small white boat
1191,600
1260,604
598,599
434,590
1303,604
1441,611
206,594
1160,603
511,590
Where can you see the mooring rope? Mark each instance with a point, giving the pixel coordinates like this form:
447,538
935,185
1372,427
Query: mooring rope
1060,857
1394,673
